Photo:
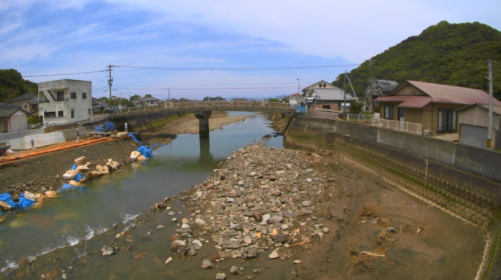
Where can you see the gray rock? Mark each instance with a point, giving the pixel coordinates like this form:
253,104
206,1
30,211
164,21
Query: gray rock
306,203
206,264
231,244
234,270
251,253
276,219
220,276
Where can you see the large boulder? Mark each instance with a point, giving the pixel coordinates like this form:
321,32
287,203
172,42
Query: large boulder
134,155
112,165
70,174
80,160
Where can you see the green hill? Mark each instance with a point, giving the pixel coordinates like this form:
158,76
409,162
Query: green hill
12,85
452,54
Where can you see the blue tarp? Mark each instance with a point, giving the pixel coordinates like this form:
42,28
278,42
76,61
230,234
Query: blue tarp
65,187
22,204
145,151
79,177
74,166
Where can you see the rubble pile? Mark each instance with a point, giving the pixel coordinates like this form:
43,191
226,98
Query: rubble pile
260,199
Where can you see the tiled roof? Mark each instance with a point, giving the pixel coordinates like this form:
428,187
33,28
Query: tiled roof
330,94
7,111
23,97
438,93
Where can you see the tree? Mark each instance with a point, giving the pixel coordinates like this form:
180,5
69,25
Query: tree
134,97
356,107
147,95
33,119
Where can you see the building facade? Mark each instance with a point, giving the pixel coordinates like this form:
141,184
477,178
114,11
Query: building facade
64,101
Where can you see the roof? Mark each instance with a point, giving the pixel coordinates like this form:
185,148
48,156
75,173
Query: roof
321,81
495,109
23,97
438,93
330,94
7,111
150,98
296,95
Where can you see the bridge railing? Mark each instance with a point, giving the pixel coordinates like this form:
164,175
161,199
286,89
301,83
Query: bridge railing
209,105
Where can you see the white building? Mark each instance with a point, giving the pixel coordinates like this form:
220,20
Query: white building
64,101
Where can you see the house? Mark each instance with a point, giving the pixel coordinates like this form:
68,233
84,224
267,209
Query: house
13,118
473,122
432,105
295,99
64,101
330,98
149,101
380,88
25,101
309,89
99,106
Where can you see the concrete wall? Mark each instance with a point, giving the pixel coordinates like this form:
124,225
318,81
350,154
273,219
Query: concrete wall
80,106
45,139
16,139
483,162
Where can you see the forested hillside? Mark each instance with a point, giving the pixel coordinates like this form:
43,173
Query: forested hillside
12,85
453,54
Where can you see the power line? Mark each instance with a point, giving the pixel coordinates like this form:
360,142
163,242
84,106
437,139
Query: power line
238,68
64,74
214,88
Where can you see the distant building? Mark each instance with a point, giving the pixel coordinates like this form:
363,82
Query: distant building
64,101
25,101
13,118
331,98
380,88
146,102
309,89
100,106
295,99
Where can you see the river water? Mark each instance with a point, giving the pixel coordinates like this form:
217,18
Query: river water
71,221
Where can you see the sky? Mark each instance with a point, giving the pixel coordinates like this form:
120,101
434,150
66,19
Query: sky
252,49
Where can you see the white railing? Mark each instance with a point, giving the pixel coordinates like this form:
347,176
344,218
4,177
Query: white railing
398,125
361,117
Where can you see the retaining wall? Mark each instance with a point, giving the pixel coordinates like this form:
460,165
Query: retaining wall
423,167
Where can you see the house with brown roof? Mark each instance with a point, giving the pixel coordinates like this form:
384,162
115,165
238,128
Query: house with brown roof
13,118
432,105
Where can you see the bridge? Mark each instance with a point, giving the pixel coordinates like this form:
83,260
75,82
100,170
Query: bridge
203,110
201,106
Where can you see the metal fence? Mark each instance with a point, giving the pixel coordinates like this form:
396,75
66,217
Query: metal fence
361,117
398,125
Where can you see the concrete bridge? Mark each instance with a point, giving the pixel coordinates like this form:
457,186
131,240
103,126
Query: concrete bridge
203,110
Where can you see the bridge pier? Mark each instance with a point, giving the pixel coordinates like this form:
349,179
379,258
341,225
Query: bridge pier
203,123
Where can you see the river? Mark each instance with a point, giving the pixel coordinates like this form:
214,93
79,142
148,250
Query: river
68,223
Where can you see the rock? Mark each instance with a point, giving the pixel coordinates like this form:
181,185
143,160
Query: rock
276,219
199,222
265,219
248,240
176,245
306,203
70,174
220,276
273,255
251,253
231,244
258,216
134,155
234,270
172,213
206,264
215,256
240,183
168,260
107,250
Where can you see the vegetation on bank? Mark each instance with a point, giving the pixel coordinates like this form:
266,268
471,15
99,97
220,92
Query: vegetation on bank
452,54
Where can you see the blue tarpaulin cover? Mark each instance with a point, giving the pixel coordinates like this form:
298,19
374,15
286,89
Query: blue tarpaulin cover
22,204
74,166
79,177
147,153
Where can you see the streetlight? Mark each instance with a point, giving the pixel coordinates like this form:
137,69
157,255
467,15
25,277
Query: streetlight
298,85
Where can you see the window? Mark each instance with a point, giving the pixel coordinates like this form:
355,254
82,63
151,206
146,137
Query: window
60,113
84,95
401,113
326,106
50,114
446,120
72,114
388,111
73,95
60,96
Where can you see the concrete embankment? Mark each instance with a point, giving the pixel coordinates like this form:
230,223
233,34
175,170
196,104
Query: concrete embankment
421,170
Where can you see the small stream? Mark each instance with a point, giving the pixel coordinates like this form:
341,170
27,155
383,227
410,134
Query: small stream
88,212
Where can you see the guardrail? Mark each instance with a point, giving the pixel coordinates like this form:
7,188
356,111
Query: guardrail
398,125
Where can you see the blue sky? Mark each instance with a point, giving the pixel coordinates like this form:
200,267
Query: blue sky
39,37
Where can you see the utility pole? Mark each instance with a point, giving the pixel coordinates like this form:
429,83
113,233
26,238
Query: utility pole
344,102
489,128
370,80
110,83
